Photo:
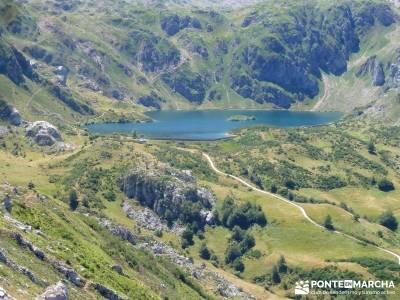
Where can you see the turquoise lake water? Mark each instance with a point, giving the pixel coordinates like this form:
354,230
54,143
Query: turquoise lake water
211,124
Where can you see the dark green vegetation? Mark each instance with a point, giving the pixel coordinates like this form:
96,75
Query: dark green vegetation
243,216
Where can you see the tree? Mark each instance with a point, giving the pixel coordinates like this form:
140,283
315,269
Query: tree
273,189
371,148
247,243
238,265
187,238
237,234
328,223
232,252
110,195
73,200
275,275
385,185
388,220
282,266
204,252
31,185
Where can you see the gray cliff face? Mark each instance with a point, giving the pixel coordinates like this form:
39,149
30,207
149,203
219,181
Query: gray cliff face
165,190
393,76
374,68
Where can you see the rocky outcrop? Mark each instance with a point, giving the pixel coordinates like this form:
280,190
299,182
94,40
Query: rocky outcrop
152,100
10,114
206,276
195,46
115,93
59,291
26,244
165,190
172,24
39,53
13,64
106,292
4,295
69,273
62,74
20,269
393,74
65,96
150,52
43,133
190,85
119,230
373,68
289,53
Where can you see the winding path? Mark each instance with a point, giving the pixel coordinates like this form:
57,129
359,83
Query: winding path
303,212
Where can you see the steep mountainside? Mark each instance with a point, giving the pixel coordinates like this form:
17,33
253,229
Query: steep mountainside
107,60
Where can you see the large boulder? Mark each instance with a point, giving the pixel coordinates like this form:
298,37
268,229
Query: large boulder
58,291
43,133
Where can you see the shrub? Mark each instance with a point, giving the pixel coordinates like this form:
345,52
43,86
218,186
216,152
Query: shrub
110,195
238,265
187,238
73,200
243,216
204,252
371,148
282,266
328,223
388,220
276,278
385,185
232,252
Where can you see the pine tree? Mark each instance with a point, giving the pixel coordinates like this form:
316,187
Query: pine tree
275,275
73,200
204,252
328,223
282,266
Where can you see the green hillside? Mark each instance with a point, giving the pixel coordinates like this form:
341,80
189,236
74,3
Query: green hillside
120,217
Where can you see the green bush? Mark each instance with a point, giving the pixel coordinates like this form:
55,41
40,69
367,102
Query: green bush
204,252
388,220
243,216
238,265
385,185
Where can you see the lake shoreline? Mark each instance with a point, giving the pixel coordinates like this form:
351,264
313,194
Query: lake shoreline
211,125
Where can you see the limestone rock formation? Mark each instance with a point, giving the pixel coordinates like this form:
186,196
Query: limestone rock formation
43,133
375,69
165,190
58,291
393,76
